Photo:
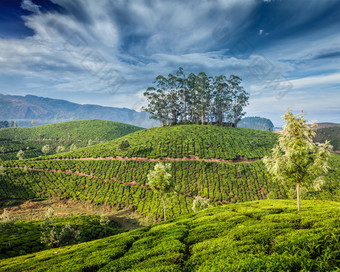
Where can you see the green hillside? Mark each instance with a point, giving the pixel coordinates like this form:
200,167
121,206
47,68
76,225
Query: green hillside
120,183
330,133
182,141
32,139
25,236
255,236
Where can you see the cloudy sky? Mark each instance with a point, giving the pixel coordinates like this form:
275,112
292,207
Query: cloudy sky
107,52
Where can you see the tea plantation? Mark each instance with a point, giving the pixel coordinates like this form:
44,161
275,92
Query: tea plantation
267,235
122,183
32,139
182,141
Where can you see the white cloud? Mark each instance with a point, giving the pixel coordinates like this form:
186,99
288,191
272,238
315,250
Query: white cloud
30,6
316,81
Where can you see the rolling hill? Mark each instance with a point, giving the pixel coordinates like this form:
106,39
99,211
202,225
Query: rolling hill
24,109
331,133
31,140
219,164
255,236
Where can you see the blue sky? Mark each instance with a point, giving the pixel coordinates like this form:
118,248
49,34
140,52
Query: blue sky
108,52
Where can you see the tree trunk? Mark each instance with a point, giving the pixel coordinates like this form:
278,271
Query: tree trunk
164,207
298,195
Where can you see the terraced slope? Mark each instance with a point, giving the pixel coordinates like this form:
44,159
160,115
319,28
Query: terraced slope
183,141
32,139
255,236
124,183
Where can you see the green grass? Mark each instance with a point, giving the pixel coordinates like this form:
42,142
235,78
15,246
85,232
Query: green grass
183,141
265,235
25,237
32,139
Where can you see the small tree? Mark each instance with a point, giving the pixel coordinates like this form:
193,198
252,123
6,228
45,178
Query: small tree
20,155
52,237
161,181
73,147
7,225
49,234
124,146
2,150
199,204
104,222
68,235
296,159
60,148
45,149
2,170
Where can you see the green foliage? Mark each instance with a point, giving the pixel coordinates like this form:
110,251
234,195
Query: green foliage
60,148
196,98
75,132
68,235
332,134
296,159
124,145
120,185
255,236
53,238
20,155
25,237
161,181
73,147
199,204
182,141
7,225
45,149
2,170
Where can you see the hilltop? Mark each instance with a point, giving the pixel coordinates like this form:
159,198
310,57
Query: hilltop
97,130
187,140
80,133
255,236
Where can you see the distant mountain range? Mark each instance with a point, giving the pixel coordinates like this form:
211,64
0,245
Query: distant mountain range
24,109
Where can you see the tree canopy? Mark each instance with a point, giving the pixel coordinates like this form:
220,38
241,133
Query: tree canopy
197,99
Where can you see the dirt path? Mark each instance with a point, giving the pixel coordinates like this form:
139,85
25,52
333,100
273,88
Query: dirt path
191,158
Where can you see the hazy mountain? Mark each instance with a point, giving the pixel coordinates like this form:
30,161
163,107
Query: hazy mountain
256,123
24,109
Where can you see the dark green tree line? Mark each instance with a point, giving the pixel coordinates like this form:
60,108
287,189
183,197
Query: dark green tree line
200,99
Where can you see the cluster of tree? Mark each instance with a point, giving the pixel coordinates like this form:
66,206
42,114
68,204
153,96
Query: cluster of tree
52,237
196,99
6,124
